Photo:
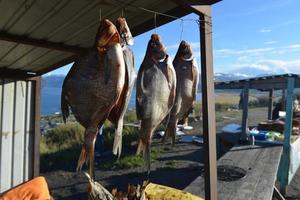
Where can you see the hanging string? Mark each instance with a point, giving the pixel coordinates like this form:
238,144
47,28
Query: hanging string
181,33
122,12
154,22
164,14
100,14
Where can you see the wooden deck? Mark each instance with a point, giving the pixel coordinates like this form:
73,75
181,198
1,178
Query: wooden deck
261,164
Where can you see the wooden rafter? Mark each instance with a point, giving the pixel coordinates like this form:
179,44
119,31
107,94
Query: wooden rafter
40,43
195,6
15,73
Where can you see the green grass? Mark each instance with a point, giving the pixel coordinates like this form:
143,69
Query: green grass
130,160
60,147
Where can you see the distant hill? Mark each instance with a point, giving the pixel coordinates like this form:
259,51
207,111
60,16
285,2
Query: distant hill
54,81
51,92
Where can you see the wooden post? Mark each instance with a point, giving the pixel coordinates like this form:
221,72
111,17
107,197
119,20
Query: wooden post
270,104
36,128
285,159
245,113
208,104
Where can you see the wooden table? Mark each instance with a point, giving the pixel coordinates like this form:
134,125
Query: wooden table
261,164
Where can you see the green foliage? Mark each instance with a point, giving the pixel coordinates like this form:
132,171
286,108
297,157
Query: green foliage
62,137
129,135
60,147
130,116
260,101
224,106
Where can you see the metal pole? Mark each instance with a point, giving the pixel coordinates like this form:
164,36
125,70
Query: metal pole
285,159
270,104
208,106
245,114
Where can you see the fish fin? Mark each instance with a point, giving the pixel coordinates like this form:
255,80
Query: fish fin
147,157
145,148
117,146
64,106
171,129
140,90
195,80
140,148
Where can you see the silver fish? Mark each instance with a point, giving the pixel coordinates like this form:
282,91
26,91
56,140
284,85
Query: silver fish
155,90
117,114
186,69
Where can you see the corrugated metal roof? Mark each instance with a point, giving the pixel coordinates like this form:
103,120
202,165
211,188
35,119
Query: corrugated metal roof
38,36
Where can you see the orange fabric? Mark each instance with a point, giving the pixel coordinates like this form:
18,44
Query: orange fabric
35,189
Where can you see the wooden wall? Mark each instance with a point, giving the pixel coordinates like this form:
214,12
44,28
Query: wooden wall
17,112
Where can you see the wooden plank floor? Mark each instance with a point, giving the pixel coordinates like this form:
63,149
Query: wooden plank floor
261,164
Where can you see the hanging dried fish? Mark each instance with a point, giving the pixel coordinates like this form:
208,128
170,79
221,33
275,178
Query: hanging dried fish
156,84
93,86
186,69
117,114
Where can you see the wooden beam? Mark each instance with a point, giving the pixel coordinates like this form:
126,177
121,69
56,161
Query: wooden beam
285,160
208,105
270,104
15,74
195,6
245,113
22,39
36,127
61,63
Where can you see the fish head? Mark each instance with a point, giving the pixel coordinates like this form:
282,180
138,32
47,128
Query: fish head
107,33
124,31
184,51
155,48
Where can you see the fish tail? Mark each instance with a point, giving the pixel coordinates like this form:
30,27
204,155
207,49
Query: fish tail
147,157
117,146
170,131
64,107
141,147
145,148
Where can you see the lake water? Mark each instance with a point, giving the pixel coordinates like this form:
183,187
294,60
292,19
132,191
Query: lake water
50,102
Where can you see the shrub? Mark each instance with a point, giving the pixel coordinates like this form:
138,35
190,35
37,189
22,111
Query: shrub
260,101
61,137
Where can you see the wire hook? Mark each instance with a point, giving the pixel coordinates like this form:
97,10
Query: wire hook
181,33
154,22
100,14
122,12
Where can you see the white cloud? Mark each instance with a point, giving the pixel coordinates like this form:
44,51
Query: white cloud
256,52
265,30
267,66
271,42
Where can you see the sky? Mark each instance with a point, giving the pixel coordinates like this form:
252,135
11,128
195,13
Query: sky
250,37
